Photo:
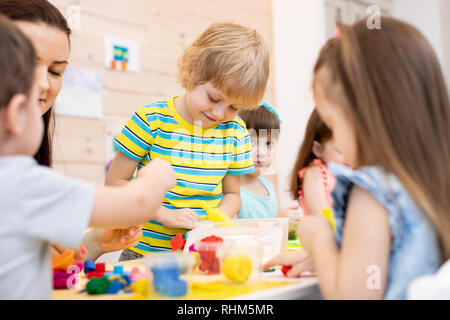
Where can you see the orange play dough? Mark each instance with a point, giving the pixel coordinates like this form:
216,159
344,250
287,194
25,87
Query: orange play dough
64,260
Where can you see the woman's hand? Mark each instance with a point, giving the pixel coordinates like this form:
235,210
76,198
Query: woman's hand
56,250
300,261
98,241
117,239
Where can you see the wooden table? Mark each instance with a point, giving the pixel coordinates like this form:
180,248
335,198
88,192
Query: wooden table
268,286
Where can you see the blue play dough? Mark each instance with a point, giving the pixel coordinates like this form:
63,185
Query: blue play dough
166,281
177,288
118,269
115,287
89,266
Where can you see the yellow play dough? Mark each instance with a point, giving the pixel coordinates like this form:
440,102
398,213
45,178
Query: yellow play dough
327,213
140,287
216,215
196,257
208,286
237,267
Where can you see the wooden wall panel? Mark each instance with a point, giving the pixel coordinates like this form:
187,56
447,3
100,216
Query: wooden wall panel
162,28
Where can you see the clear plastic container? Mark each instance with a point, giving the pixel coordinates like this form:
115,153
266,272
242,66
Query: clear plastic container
270,234
208,260
162,260
293,224
282,223
240,262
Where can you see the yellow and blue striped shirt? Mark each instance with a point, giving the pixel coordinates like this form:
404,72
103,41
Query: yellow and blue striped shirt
200,157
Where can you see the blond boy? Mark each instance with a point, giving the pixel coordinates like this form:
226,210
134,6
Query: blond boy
225,70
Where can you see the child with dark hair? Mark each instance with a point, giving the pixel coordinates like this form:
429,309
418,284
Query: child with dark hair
383,95
50,34
38,205
258,196
311,181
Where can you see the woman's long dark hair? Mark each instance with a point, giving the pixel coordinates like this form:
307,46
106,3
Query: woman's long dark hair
39,11
45,153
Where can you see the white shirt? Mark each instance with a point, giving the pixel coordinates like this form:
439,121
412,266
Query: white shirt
37,206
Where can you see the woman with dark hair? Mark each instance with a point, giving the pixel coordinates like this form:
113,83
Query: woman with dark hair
50,34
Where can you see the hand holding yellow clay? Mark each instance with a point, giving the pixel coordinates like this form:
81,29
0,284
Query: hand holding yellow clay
214,214
327,213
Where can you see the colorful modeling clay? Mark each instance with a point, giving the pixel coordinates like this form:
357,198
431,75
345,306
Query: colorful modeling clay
208,286
113,282
100,267
89,265
140,287
327,213
118,269
136,275
64,260
214,214
306,274
166,280
66,280
196,257
177,242
114,287
237,267
99,271
212,239
285,270
95,274
98,285
209,263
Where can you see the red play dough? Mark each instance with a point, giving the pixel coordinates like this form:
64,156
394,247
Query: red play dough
177,242
285,270
209,263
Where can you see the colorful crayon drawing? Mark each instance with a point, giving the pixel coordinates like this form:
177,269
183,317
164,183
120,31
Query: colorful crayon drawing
120,57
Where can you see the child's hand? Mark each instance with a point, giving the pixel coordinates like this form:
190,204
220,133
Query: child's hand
184,218
300,261
311,227
162,170
289,212
56,250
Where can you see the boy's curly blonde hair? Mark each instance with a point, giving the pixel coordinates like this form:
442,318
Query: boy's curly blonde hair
233,58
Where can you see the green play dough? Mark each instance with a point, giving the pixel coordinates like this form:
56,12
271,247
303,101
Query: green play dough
98,286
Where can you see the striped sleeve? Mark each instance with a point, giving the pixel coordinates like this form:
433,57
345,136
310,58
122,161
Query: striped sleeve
242,157
136,138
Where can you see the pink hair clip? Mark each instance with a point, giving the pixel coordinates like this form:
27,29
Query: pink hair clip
337,33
